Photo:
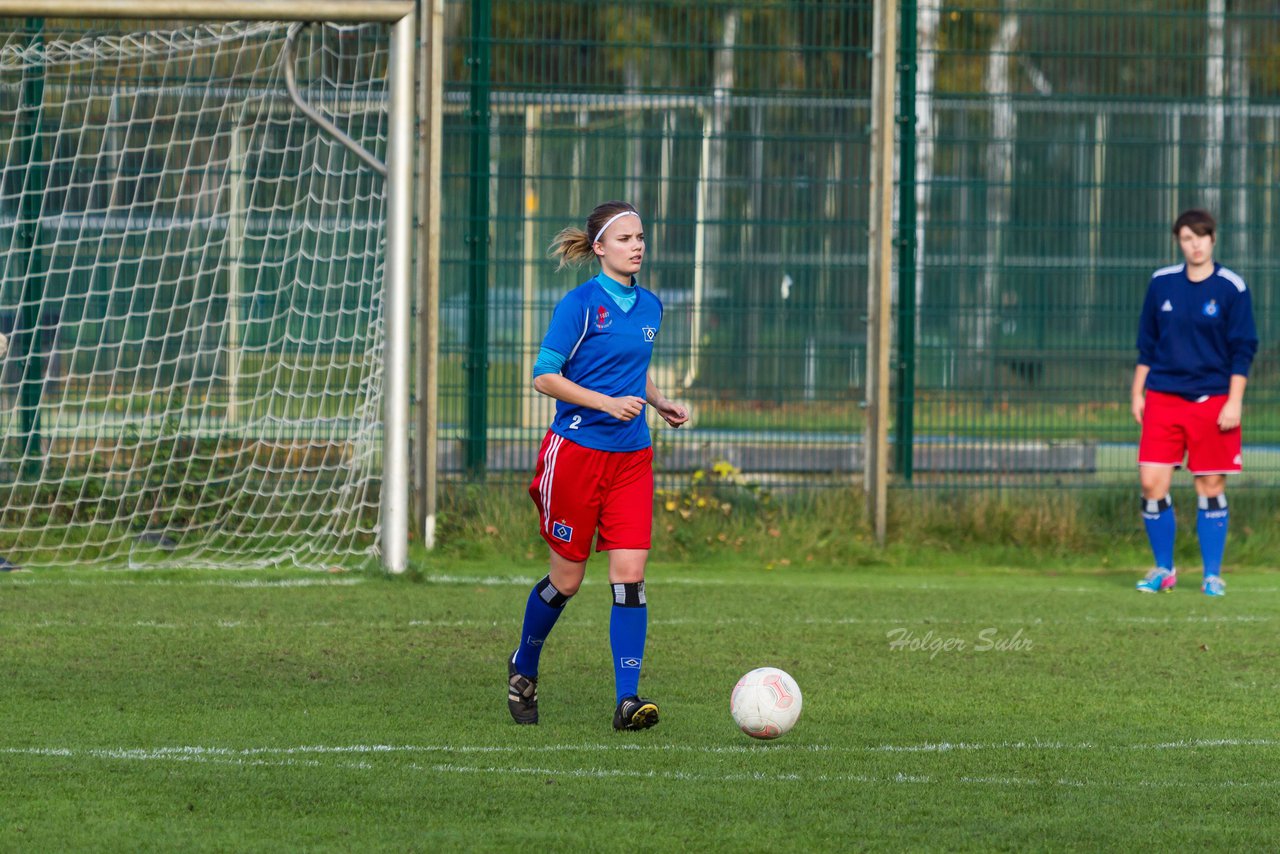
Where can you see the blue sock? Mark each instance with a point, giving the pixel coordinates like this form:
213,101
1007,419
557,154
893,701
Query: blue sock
1211,528
545,605
627,626
1162,528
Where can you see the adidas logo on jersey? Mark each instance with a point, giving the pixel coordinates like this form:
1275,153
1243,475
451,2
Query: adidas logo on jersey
1168,306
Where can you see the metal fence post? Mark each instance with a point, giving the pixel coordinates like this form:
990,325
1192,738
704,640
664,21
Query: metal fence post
904,428
478,238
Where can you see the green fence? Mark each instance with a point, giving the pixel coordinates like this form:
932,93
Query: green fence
1052,144
740,131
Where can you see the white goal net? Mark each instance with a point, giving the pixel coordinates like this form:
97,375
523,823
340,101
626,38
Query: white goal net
192,293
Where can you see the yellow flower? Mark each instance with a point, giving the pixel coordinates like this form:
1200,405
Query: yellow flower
726,469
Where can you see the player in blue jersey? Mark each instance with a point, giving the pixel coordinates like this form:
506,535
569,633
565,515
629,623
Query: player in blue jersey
594,478
1196,342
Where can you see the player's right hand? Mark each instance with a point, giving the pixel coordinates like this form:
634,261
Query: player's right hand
624,408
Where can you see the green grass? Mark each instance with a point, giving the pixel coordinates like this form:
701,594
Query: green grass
283,711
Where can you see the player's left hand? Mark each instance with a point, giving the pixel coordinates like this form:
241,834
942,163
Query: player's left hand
673,413
1229,417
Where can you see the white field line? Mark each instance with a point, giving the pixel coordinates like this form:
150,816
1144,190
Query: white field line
660,581
513,580
196,752
182,754
530,580
889,779
282,583
287,757
514,620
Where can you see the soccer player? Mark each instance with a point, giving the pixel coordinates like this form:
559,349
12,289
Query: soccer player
1196,341
594,477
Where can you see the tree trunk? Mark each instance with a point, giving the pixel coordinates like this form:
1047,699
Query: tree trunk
713,187
999,180
927,18
1215,87
1239,92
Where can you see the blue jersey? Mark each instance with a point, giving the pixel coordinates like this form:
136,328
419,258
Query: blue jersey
608,352
1195,335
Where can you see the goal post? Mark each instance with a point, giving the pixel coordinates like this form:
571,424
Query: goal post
207,287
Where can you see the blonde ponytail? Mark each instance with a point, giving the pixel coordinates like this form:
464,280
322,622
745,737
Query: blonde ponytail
574,247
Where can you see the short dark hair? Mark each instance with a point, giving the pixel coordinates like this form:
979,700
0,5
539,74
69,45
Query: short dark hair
1200,222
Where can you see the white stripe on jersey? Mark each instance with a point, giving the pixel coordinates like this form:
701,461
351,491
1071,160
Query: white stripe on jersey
548,478
1232,277
1166,271
586,319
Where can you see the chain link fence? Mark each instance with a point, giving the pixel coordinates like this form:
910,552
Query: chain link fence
1052,145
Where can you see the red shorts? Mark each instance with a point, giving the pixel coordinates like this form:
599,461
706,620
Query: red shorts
581,490
1173,427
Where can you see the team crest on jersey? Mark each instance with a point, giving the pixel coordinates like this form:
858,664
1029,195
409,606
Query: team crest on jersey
562,532
649,332
1210,308
603,319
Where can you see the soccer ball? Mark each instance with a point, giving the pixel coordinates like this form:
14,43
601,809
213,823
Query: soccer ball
766,703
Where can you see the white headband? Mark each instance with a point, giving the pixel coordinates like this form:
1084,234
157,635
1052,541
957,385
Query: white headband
611,221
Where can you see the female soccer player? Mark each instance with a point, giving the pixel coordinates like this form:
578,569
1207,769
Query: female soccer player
594,478
1196,341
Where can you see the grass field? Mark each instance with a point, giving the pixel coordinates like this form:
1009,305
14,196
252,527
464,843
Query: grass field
1020,709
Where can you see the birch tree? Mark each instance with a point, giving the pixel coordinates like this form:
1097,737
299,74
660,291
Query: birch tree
999,179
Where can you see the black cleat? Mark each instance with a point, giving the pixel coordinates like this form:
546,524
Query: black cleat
635,713
522,695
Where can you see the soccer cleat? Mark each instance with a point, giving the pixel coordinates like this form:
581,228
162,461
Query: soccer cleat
635,713
1214,586
522,695
1158,580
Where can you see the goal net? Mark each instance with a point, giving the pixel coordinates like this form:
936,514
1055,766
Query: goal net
192,293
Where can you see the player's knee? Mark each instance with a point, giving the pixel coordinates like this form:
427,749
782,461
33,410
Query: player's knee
1155,483
566,574
1211,484
626,566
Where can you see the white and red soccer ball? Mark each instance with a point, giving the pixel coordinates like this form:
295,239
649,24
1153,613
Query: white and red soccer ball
766,703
